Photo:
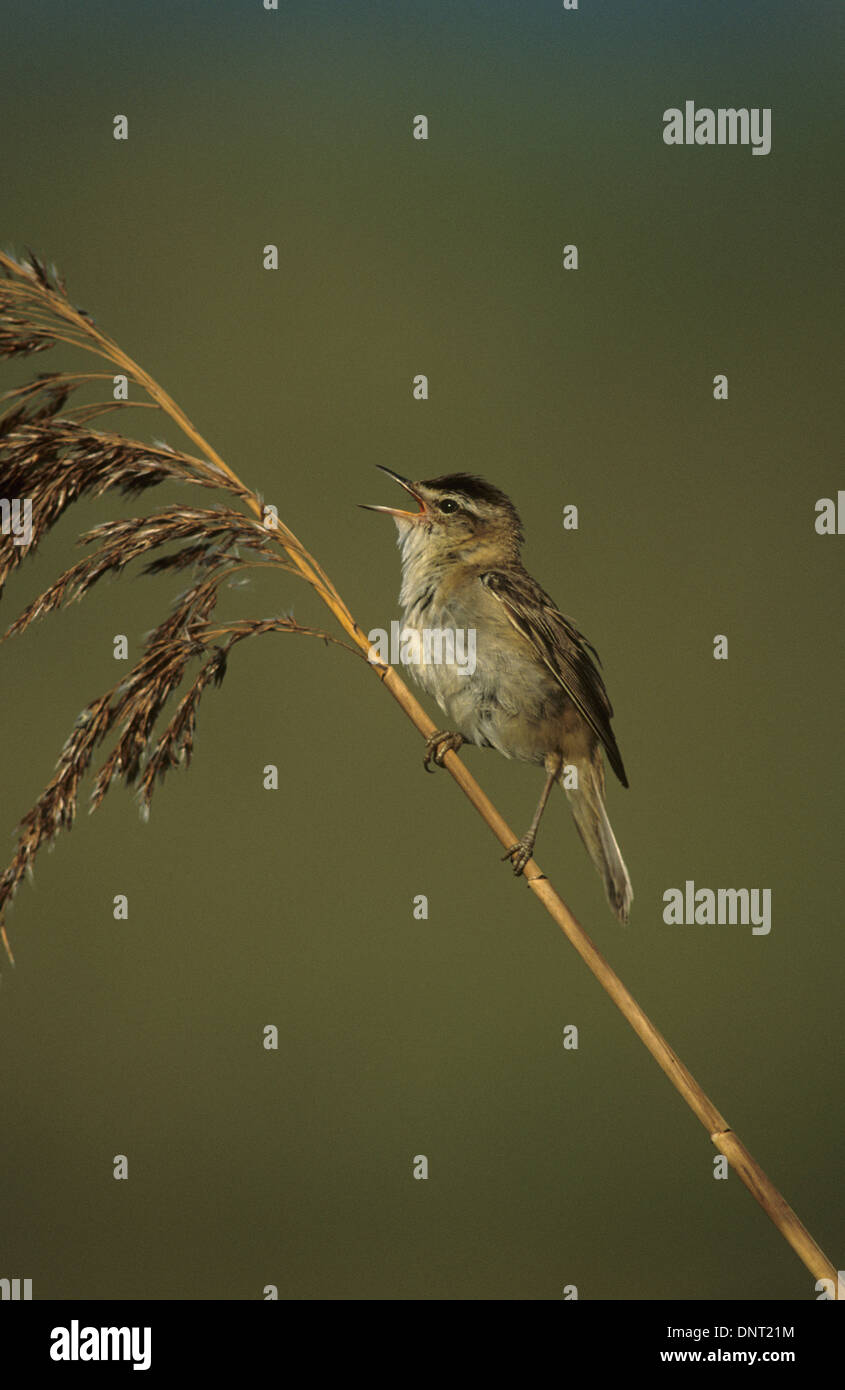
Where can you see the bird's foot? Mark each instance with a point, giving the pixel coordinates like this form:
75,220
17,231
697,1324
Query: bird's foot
437,745
520,853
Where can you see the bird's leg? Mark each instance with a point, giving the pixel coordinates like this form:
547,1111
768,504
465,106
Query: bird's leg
438,744
520,853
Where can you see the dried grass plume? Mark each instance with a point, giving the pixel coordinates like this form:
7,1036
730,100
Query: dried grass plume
51,455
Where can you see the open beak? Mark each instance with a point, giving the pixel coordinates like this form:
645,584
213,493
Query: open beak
395,511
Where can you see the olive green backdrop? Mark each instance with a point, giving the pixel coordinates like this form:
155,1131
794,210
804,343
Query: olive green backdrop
247,907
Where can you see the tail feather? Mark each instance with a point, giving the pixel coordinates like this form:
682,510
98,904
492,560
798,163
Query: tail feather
587,806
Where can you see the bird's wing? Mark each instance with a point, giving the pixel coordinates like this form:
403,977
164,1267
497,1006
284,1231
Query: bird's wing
562,648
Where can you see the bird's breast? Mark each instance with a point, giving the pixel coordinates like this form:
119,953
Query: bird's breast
459,645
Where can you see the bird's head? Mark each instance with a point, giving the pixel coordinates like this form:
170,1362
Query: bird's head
459,517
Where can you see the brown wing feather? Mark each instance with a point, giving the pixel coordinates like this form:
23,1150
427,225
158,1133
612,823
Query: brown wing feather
564,650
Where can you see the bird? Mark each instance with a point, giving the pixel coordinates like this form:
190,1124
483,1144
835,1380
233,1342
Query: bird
535,692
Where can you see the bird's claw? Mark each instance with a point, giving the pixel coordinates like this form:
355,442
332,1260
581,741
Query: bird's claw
438,744
520,853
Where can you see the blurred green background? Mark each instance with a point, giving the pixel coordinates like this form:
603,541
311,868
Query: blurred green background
397,1037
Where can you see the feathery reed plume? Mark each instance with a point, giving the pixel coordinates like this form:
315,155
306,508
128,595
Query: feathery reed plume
50,455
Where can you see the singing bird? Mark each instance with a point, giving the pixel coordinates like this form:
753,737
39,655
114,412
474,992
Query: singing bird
535,693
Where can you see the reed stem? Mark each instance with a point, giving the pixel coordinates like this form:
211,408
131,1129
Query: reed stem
37,302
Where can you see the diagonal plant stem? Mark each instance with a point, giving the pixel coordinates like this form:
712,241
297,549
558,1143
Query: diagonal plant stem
50,303
722,1135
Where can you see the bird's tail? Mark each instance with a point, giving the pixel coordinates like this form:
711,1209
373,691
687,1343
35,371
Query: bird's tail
587,805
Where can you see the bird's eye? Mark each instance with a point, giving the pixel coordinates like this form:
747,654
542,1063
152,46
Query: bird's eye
448,505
